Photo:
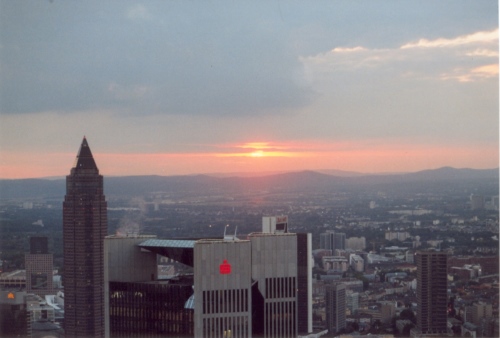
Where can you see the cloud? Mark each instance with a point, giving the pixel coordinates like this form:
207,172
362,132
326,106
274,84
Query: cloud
489,53
438,59
474,74
162,58
484,37
348,50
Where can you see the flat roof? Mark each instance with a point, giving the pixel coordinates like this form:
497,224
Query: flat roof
168,243
180,250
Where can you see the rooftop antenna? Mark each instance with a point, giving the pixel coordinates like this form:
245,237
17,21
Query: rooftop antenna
230,237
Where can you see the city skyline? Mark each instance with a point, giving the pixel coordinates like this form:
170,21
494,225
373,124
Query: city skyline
166,88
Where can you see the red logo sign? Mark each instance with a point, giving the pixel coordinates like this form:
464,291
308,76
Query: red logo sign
225,268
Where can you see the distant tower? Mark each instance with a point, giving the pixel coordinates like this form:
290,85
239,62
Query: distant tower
339,240
432,292
39,267
335,307
84,229
331,240
327,241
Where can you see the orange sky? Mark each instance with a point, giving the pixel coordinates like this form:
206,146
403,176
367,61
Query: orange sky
315,87
258,157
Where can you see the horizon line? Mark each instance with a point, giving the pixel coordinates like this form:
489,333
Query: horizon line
244,174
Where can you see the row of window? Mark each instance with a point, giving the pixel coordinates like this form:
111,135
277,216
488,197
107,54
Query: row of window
279,319
225,301
280,287
227,327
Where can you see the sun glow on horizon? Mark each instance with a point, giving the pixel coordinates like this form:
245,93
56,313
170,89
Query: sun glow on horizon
258,153
259,157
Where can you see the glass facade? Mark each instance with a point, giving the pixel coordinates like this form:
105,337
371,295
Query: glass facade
150,309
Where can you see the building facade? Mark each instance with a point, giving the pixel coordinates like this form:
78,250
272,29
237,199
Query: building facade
332,240
431,292
39,266
335,303
258,287
137,303
84,229
223,288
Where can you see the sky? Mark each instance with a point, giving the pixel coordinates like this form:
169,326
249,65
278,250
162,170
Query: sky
188,87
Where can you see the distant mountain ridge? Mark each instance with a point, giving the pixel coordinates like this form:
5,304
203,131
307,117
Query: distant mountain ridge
284,182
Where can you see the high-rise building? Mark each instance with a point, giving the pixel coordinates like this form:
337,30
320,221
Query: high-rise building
39,267
137,303
279,225
431,292
339,241
84,229
257,287
326,241
335,302
222,288
332,240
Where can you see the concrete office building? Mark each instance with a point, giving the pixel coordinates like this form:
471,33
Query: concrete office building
355,243
357,262
275,224
84,229
352,300
223,288
335,302
274,268
431,293
39,266
305,262
335,263
260,286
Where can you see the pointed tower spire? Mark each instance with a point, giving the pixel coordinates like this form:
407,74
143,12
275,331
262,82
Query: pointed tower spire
84,159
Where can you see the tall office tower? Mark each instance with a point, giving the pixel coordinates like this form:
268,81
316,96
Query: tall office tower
332,240
327,241
84,229
431,292
279,225
339,241
335,307
223,288
305,264
39,267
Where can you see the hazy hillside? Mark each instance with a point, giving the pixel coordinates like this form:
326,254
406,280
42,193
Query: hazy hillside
287,182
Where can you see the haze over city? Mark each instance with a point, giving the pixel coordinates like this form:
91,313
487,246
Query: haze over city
171,88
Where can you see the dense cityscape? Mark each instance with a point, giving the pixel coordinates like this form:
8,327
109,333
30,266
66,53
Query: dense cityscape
258,169
366,246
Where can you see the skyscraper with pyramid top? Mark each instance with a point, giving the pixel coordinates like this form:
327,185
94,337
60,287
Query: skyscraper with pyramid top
84,229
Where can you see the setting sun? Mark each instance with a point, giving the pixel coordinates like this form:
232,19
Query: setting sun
258,153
